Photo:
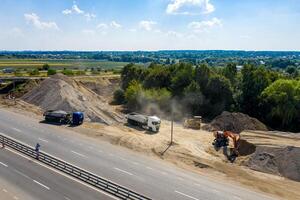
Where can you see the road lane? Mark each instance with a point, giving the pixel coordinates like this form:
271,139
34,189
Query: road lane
146,175
28,180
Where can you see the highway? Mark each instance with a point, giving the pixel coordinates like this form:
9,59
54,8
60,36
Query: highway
22,178
146,175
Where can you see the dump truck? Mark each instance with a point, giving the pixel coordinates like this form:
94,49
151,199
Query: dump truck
63,117
151,123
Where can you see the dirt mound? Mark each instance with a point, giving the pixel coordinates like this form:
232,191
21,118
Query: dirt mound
63,93
103,86
236,122
281,161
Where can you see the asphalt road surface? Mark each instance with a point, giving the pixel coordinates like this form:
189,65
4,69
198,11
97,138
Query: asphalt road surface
148,176
23,179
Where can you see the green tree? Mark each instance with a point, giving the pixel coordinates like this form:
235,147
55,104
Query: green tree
230,72
45,67
219,94
157,77
282,98
129,73
193,98
292,71
133,94
202,74
182,77
254,81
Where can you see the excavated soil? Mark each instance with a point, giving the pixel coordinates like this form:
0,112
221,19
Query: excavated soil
281,161
62,93
236,122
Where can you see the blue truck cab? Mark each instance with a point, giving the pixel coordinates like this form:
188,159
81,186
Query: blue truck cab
77,118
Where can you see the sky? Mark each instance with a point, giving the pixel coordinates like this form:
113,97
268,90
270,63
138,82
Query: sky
104,25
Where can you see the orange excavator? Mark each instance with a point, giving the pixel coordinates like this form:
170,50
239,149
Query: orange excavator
222,140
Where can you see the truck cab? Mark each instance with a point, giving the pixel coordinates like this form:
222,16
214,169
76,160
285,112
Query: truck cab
154,123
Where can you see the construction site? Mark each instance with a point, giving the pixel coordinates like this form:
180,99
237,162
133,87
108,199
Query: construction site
233,147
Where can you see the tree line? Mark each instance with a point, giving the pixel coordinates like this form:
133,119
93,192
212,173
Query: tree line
271,96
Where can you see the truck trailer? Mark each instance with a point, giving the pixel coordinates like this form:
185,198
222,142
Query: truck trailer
151,123
60,116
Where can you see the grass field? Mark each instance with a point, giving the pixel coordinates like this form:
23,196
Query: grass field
59,64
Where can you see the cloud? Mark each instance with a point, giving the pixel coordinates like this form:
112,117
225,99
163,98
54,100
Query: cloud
88,32
173,34
115,24
89,16
102,26
34,19
205,25
67,12
245,36
147,25
190,7
76,10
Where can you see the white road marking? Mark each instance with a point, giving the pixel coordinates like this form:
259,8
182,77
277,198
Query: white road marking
63,174
22,174
100,151
164,173
186,195
149,168
79,154
18,130
4,190
122,158
136,163
215,191
123,171
16,198
43,140
238,198
5,165
67,198
41,184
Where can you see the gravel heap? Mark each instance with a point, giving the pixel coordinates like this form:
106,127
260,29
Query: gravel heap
63,93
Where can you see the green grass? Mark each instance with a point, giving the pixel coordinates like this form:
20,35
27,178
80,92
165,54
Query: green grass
59,64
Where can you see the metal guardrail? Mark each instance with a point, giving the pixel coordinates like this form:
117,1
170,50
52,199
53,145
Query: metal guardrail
87,177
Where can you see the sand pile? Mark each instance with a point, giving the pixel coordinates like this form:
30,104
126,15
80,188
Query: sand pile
236,122
63,93
281,161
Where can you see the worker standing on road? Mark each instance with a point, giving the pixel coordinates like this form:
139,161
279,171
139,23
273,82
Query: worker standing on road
37,150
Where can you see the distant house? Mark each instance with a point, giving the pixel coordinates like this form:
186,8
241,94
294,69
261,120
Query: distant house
8,70
239,67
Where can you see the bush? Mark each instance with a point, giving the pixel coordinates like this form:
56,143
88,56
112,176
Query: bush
119,97
34,72
68,72
51,72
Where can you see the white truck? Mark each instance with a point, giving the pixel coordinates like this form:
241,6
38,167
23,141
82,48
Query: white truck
151,123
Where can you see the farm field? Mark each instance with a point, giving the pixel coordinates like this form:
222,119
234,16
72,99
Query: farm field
60,63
